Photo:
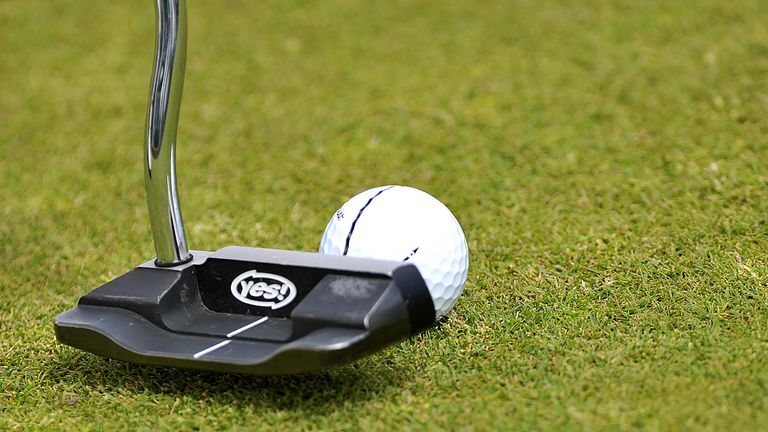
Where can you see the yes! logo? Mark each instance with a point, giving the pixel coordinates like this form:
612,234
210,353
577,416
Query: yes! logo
263,289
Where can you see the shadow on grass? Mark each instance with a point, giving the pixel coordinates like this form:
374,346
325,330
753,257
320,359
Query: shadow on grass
319,392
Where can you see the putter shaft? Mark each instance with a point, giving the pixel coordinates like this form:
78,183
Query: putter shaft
162,121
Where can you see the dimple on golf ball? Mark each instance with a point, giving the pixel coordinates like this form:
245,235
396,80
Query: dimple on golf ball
402,223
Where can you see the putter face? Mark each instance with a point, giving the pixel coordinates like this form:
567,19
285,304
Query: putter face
249,310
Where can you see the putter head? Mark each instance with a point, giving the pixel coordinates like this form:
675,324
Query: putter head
251,310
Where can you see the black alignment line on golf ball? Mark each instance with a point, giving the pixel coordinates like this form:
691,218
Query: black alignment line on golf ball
229,335
412,254
359,214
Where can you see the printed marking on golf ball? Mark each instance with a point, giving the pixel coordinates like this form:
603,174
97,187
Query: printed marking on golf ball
404,224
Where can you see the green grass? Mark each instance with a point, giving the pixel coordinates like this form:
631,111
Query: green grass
607,161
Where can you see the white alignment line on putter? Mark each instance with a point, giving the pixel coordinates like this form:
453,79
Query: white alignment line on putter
229,335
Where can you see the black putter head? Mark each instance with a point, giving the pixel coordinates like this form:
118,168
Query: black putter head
249,310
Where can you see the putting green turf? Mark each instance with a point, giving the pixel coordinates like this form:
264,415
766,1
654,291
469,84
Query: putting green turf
607,161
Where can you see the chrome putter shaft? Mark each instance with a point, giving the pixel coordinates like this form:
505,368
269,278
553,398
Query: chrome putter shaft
160,141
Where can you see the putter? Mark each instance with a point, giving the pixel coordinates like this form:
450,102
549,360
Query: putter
239,309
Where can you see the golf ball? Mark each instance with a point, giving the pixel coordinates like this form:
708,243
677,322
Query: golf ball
401,223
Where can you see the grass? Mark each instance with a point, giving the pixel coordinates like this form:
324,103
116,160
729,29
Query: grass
606,160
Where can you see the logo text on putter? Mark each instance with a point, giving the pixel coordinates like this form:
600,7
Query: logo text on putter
263,289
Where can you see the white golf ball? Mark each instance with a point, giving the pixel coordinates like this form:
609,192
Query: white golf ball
401,223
